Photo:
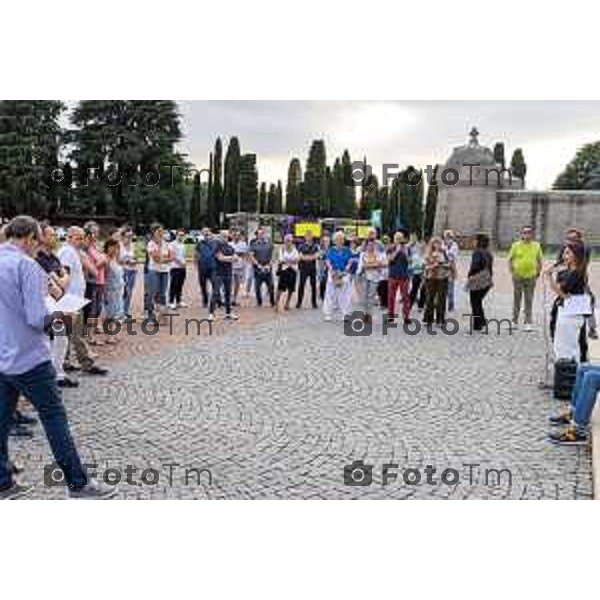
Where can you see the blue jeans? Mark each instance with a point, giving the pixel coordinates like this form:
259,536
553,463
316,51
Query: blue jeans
39,386
583,398
159,285
130,277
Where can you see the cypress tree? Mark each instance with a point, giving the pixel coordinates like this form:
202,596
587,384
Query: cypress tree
232,176
293,195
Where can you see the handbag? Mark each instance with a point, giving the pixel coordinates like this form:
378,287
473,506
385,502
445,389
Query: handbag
479,281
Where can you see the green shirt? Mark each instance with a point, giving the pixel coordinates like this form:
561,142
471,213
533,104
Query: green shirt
525,258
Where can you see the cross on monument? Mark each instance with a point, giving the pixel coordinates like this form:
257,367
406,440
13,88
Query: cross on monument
473,134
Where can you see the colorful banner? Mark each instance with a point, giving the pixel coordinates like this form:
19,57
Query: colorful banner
301,229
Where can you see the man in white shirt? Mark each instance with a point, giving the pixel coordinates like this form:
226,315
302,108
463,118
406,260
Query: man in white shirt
178,271
70,257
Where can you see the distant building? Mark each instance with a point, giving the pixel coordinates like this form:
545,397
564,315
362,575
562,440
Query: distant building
477,196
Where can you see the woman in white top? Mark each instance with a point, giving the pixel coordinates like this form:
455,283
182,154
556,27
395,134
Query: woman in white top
371,271
159,266
287,271
178,271
129,264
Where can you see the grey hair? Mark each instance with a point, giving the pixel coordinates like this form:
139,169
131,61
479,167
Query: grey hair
21,227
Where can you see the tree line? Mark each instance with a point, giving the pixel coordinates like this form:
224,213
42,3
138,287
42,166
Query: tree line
118,158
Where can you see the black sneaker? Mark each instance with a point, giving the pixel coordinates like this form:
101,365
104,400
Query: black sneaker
21,431
568,437
71,368
67,382
15,491
25,418
96,370
564,419
92,491
593,334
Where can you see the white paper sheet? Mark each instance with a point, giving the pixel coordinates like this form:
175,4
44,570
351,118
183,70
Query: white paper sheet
69,303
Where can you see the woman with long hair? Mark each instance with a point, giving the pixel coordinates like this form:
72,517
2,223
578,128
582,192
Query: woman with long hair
437,273
480,280
568,283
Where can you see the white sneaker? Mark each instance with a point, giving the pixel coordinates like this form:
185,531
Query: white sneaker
328,318
211,317
92,491
182,305
528,327
232,317
172,305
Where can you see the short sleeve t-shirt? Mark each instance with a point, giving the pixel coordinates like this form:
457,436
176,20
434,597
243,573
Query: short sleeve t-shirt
69,257
225,249
262,251
178,251
339,257
286,255
308,249
163,249
525,257
241,249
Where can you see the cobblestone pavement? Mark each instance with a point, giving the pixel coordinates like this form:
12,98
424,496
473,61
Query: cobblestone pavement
275,409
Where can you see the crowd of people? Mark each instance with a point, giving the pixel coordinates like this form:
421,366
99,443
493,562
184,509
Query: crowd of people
401,276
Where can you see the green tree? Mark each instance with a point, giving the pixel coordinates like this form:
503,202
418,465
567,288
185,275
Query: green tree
278,207
232,176
218,178
518,166
262,198
126,161
578,174
293,195
30,137
248,183
271,199
430,206
315,180
499,156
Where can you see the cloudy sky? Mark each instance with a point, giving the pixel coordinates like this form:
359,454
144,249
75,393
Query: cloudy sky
411,132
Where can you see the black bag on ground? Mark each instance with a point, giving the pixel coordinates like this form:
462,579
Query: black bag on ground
565,373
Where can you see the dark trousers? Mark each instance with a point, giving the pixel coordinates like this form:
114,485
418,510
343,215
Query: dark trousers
221,284
39,386
478,316
382,292
261,277
206,276
435,300
416,287
176,284
311,275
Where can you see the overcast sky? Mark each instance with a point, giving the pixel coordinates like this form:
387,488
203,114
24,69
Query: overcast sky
418,133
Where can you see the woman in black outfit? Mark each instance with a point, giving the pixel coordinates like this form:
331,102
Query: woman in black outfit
480,280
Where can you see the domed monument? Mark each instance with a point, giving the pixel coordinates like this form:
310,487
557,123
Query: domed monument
467,184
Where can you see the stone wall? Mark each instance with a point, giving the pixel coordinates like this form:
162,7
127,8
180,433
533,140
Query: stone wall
550,213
